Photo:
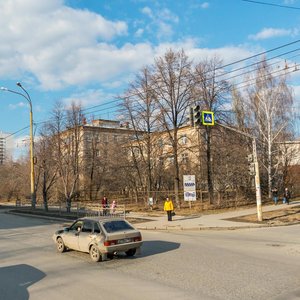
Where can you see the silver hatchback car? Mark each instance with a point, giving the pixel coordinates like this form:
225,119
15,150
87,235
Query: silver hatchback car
101,237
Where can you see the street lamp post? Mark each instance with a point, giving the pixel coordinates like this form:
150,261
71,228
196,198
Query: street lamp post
32,178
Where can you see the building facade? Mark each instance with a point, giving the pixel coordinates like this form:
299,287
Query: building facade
6,147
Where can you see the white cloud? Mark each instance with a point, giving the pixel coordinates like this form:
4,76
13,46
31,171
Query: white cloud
147,11
88,98
204,5
226,54
286,2
162,20
46,37
164,30
58,46
139,32
167,15
18,105
268,33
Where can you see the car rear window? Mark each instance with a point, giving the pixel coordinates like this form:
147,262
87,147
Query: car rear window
114,226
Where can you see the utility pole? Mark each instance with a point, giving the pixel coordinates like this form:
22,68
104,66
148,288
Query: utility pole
256,167
208,119
257,182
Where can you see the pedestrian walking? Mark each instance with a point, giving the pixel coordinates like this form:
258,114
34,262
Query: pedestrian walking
105,205
275,195
168,207
286,196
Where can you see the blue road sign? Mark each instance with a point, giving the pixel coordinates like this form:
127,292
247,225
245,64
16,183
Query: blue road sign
208,118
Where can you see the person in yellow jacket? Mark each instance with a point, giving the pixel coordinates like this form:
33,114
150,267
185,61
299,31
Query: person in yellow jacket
168,207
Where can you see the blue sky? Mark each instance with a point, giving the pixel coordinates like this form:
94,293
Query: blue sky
88,50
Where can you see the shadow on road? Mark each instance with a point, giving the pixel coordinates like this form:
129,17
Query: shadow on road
156,247
16,279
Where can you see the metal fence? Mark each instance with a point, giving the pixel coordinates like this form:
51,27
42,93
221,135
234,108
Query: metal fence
77,209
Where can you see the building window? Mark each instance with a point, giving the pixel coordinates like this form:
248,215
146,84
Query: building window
183,139
184,158
136,151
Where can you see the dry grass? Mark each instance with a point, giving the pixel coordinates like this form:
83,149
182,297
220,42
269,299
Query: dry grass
286,216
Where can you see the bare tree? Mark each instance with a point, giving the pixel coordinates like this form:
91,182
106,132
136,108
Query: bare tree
100,167
172,84
211,94
66,132
13,176
140,108
47,169
93,167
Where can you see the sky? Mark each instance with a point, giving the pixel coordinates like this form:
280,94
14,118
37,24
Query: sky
89,50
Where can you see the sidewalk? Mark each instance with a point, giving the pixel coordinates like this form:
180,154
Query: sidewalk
204,222
216,221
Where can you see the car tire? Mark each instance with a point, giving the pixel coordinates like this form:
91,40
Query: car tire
95,253
130,252
110,255
60,245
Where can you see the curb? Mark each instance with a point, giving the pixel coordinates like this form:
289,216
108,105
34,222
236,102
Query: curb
168,229
40,216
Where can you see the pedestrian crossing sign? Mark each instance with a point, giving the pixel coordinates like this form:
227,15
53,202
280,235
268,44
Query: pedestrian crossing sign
208,118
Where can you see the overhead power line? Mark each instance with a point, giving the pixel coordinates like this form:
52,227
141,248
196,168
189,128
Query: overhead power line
18,131
272,4
259,54
118,100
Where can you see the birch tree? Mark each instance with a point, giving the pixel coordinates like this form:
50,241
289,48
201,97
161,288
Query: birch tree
269,102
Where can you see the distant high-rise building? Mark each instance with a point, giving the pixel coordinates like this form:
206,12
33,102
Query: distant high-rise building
6,147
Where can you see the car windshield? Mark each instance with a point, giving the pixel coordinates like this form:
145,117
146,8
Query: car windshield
114,226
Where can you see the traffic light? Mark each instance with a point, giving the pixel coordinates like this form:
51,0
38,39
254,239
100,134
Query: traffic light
197,115
191,117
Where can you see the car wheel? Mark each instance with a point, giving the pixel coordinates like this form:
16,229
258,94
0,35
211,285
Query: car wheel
95,253
60,246
130,252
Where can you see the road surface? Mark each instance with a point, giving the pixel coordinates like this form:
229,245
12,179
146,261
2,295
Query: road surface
240,264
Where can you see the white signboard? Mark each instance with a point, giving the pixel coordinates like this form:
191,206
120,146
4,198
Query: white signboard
189,188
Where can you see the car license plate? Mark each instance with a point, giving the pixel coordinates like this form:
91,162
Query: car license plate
123,241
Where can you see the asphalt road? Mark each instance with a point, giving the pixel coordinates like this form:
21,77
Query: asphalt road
241,264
